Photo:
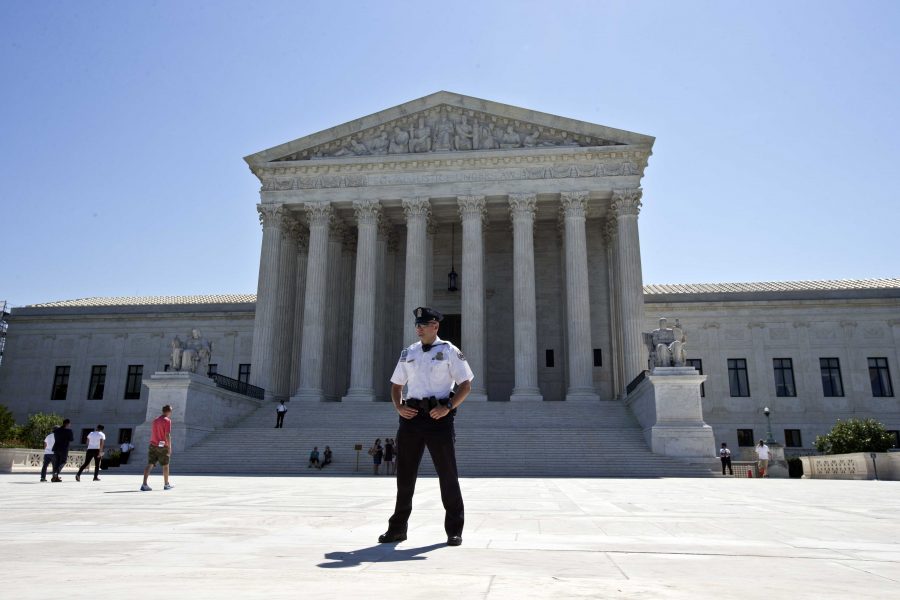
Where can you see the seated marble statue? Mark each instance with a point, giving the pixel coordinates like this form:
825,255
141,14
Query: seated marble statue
666,345
191,355
421,141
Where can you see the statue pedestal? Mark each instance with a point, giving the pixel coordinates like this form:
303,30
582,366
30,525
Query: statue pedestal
199,407
668,406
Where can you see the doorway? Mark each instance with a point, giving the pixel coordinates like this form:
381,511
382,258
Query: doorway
451,329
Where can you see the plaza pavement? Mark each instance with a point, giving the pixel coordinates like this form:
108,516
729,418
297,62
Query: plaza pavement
314,537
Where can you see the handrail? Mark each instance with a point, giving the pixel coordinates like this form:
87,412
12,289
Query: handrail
240,387
636,381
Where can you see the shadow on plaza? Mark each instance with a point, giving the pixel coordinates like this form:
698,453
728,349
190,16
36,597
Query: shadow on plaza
377,553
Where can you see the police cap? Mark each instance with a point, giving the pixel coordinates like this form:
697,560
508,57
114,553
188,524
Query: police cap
424,314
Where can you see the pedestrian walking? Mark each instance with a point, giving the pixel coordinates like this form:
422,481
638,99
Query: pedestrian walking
725,457
160,450
377,454
62,437
389,456
313,458
96,440
762,455
280,411
429,368
49,441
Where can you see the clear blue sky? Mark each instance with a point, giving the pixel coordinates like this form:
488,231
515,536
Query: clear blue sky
123,125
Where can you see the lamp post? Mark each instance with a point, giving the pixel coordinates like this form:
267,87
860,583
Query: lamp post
452,276
770,439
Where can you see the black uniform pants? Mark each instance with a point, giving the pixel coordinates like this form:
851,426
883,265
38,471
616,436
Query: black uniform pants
726,461
91,454
413,436
279,419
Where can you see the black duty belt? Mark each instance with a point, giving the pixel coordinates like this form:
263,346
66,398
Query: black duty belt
426,403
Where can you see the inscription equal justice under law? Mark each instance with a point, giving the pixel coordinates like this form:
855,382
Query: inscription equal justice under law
837,466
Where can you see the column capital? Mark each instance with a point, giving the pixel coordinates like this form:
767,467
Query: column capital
300,236
431,227
269,214
416,207
367,211
318,213
349,240
627,201
471,207
336,228
522,206
286,222
573,204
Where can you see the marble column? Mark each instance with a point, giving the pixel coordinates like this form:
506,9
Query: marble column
472,213
615,330
417,211
362,386
383,321
626,204
312,349
284,308
521,210
578,304
261,354
431,232
299,304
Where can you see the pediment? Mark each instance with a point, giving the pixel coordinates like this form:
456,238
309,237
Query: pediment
445,122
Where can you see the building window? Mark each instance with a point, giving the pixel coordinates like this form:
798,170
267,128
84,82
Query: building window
60,384
831,377
98,382
737,377
698,364
598,357
125,435
784,377
84,434
792,438
880,378
133,382
244,373
896,435
745,437
213,369
548,358
166,368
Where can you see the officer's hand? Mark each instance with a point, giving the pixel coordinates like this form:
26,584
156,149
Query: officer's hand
407,412
439,412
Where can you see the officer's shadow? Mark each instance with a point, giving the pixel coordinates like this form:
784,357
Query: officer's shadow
377,553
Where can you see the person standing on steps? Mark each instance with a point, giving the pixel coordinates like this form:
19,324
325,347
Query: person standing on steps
388,456
280,411
429,368
725,457
96,440
160,450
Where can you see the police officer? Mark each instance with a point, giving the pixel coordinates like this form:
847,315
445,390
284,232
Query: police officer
429,367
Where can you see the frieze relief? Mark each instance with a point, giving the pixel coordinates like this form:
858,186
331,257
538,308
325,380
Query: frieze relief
308,182
447,129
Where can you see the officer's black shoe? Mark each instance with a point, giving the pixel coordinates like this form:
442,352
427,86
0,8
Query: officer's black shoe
454,540
391,536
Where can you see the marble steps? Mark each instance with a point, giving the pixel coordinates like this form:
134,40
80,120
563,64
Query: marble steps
500,440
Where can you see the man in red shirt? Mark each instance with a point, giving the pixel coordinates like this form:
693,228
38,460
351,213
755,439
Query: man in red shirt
160,450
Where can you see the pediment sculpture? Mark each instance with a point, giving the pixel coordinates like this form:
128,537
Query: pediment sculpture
447,129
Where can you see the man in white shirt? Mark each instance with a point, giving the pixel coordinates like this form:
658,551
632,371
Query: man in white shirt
48,454
429,368
125,451
280,411
762,454
725,457
95,442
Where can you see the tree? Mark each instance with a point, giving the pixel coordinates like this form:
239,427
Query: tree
37,428
7,423
855,435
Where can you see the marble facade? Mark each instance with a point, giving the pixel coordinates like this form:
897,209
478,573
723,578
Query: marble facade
408,175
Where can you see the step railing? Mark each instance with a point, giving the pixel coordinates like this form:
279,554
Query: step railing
238,386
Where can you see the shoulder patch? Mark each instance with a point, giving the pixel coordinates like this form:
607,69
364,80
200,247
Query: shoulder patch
403,354
460,355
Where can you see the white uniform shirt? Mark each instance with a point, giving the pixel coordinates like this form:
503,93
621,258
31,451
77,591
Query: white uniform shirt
94,438
431,373
724,453
48,443
762,452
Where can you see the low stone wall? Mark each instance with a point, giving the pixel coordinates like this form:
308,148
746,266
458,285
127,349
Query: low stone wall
859,465
26,460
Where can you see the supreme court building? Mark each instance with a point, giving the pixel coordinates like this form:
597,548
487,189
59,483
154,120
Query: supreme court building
522,228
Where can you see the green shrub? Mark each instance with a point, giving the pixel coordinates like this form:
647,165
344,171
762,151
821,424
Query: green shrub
37,428
855,435
7,423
